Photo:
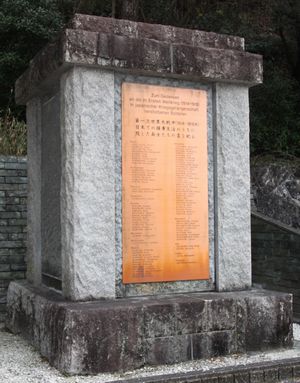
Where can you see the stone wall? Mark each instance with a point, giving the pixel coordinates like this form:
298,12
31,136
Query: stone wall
13,206
276,257
276,188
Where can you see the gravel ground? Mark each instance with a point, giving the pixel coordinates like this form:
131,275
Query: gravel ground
20,363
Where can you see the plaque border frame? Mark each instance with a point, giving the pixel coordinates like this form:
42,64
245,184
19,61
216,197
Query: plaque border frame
150,288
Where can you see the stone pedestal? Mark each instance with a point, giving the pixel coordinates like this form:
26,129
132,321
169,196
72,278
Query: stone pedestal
73,93
128,333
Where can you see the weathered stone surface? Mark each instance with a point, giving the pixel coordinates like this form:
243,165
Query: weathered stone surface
50,186
241,312
222,314
160,320
242,377
168,350
226,378
233,263
140,48
117,343
158,32
257,376
84,51
88,184
34,158
210,344
217,64
265,372
121,52
296,371
91,337
269,321
276,189
271,375
285,373
198,310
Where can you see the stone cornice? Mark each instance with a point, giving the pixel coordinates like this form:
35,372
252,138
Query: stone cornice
140,48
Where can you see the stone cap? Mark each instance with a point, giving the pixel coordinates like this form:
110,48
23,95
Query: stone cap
140,48
165,33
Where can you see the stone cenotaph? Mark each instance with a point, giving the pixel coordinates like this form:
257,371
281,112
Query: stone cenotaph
139,246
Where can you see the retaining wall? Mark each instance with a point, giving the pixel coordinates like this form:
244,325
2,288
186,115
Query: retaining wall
13,210
276,257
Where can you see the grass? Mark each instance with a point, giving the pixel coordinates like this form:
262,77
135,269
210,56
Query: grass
13,135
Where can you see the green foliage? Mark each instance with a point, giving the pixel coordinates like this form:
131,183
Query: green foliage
275,117
94,7
12,135
25,27
271,28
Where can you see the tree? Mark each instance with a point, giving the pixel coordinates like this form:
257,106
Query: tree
130,9
271,28
287,24
25,26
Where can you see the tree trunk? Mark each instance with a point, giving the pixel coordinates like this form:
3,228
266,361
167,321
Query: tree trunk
130,9
113,8
297,64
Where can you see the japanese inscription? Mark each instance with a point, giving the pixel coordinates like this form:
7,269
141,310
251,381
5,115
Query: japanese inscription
164,184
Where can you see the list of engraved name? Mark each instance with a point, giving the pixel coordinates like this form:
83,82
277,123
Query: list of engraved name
163,187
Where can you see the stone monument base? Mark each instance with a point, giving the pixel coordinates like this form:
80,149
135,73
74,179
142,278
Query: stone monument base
128,333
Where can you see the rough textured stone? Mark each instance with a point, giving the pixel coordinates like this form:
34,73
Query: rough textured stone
50,186
128,46
276,189
256,376
160,320
125,53
222,314
285,373
226,378
123,334
296,371
34,157
233,263
167,350
217,64
211,344
269,321
271,375
198,310
158,32
88,185
87,41
227,374
242,377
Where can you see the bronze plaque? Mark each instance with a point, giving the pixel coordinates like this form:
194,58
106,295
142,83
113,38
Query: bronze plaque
164,184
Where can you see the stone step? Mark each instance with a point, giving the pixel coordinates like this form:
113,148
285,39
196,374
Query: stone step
284,370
